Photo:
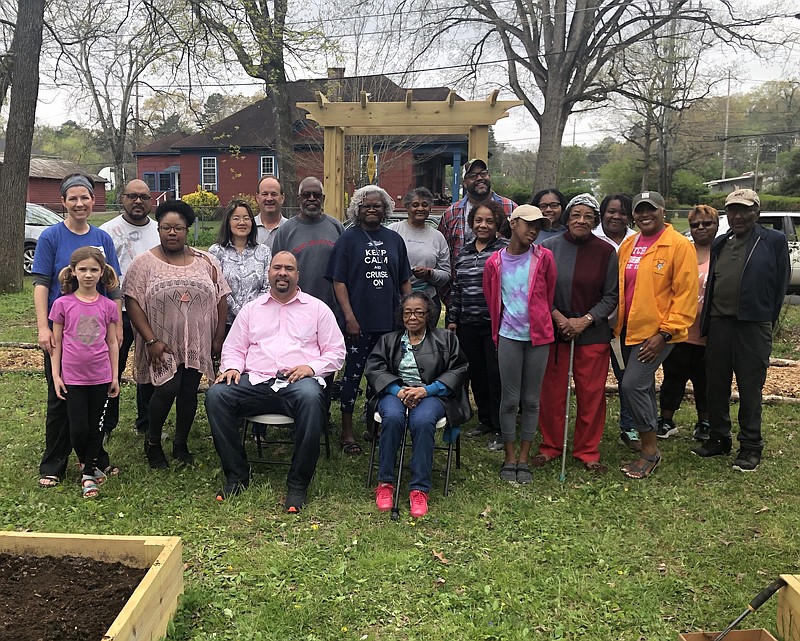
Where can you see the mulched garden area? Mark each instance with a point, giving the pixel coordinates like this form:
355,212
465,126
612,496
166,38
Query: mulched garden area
64,598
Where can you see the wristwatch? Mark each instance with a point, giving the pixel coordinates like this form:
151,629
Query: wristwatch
152,341
667,336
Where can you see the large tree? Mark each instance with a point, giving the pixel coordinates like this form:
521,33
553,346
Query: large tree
255,32
104,48
25,50
561,55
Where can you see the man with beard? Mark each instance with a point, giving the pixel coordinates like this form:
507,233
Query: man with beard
453,224
133,233
310,236
278,351
269,196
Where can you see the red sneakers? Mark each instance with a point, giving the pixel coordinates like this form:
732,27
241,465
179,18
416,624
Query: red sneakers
419,503
384,496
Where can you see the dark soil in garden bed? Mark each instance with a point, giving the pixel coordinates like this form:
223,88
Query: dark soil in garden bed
62,598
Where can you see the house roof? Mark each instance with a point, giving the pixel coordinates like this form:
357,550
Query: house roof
56,169
163,145
254,126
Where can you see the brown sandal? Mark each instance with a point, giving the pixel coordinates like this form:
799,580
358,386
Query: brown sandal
634,471
596,467
540,460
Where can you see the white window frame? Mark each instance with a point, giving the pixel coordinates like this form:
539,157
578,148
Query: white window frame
268,165
207,166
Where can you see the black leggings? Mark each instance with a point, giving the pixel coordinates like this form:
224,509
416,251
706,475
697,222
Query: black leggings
183,387
85,405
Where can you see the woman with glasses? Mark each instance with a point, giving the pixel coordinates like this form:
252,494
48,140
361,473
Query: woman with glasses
53,253
422,371
468,317
687,361
176,297
370,272
244,262
552,204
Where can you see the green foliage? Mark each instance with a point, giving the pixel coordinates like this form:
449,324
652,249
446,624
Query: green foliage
687,187
620,177
790,162
769,202
201,198
573,166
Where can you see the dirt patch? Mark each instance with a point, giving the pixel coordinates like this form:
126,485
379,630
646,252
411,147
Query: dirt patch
65,598
21,359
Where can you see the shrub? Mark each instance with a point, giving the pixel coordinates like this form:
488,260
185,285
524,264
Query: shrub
769,202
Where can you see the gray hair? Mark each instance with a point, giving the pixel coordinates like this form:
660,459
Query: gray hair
358,199
583,199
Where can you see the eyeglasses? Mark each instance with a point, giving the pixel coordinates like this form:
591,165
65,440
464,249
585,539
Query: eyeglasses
143,197
544,206
701,223
416,313
378,207
577,216
239,219
178,229
478,174
308,195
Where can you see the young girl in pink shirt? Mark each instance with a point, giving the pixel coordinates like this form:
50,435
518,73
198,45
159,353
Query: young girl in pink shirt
85,357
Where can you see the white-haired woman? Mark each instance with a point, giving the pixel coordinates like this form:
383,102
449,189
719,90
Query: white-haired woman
369,270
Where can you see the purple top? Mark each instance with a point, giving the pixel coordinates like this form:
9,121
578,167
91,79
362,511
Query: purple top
84,351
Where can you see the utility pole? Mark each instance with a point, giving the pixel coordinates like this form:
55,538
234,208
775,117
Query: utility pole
727,121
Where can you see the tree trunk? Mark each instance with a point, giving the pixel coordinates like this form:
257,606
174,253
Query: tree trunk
552,122
26,47
647,145
284,142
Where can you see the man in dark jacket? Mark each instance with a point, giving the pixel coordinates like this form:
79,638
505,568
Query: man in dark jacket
747,281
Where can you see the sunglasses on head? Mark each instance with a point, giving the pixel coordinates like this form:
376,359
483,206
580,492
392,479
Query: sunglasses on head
701,223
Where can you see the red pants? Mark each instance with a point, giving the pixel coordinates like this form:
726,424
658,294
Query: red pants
589,371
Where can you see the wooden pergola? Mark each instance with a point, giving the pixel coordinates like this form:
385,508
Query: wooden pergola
426,117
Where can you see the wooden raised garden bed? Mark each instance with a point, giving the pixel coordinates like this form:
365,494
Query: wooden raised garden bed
148,611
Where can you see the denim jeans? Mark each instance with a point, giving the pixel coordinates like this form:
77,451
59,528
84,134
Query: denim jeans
625,416
422,425
303,400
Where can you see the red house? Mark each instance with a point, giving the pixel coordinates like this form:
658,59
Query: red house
230,156
44,182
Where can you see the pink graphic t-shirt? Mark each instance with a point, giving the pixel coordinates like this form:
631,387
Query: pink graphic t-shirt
84,351
694,330
643,243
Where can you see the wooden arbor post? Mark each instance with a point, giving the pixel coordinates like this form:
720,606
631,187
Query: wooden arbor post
365,118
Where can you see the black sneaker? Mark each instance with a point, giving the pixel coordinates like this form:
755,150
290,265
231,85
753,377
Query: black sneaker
702,431
294,501
496,444
180,452
713,447
155,455
666,428
481,430
747,461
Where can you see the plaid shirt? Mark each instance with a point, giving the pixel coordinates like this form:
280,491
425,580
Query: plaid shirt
453,223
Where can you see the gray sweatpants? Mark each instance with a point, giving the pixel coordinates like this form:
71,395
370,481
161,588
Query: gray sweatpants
521,373
638,386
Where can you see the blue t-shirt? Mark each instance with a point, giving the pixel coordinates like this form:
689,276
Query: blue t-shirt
54,249
372,264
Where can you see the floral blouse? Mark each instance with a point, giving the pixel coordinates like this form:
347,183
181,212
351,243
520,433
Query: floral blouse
246,273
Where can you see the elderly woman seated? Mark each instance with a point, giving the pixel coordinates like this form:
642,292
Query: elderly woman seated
420,370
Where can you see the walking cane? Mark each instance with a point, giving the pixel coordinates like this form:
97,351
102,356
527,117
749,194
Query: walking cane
563,476
396,506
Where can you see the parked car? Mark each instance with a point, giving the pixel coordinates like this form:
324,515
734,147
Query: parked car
786,222
37,218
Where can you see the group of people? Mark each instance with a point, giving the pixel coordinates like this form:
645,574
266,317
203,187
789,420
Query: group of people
534,295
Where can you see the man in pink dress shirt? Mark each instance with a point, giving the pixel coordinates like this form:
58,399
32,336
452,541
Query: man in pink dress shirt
275,357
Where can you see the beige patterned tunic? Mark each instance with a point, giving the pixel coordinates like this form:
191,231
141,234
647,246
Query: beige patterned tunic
180,303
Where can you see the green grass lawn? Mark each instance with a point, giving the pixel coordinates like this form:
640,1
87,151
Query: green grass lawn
591,558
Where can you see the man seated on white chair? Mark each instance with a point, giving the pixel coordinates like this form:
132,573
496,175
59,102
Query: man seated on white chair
275,357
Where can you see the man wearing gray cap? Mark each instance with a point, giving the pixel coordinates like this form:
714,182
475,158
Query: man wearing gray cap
453,223
747,280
